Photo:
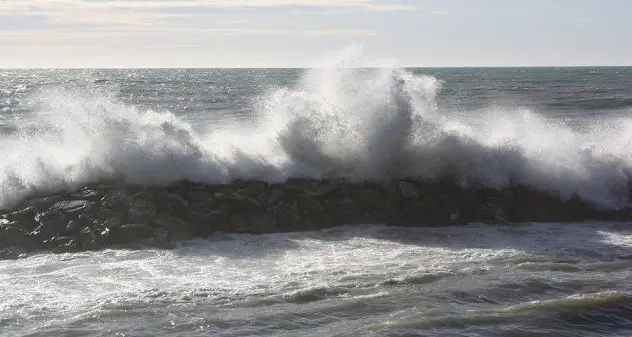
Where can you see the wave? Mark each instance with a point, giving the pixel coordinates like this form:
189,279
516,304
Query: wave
586,311
338,122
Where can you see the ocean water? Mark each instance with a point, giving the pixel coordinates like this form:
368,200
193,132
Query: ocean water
565,131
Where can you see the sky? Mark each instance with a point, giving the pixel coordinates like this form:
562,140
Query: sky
298,33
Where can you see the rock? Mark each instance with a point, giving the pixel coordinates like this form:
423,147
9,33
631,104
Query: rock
177,228
88,194
238,203
12,253
370,199
23,216
133,232
142,207
258,190
43,203
12,236
492,212
310,206
113,222
70,206
320,190
209,223
116,200
87,237
177,200
68,245
275,195
50,223
252,221
344,210
200,196
408,190
104,214
71,226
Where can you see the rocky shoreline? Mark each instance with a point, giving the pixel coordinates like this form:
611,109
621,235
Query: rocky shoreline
114,214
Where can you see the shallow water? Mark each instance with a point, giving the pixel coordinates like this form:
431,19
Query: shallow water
520,280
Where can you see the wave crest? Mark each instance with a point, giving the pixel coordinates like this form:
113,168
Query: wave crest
339,122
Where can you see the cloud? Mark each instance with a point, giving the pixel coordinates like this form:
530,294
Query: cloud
56,5
141,16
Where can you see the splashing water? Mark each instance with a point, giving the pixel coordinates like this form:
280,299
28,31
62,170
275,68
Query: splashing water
337,122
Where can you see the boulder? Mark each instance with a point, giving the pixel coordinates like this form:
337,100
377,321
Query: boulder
13,237
408,190
132,232
71,206
142,207
252,221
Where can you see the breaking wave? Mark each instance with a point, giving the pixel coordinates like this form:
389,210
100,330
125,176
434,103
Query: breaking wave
338,122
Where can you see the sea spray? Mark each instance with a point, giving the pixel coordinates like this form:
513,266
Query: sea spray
337,122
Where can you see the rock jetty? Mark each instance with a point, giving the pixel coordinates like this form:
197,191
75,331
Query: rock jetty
114,214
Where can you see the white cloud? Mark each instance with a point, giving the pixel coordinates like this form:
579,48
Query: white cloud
136,15
56,5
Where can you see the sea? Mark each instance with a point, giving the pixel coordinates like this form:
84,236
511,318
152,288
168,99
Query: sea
565,131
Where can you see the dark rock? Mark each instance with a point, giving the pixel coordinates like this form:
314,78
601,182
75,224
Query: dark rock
90,194
253,221
99,216
71,206
238,203
104,214
133,232
142,207
50,223
23,216
43,203
12,253
408,190
208,223
12,236
177,228
344,210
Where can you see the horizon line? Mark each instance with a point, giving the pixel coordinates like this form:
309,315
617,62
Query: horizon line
321,67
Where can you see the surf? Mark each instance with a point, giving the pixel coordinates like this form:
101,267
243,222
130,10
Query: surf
338,121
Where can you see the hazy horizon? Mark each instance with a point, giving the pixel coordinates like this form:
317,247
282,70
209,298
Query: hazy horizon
98,34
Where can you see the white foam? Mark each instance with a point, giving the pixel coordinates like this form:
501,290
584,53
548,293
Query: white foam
338,122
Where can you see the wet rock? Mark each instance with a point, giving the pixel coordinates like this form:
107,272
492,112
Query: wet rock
104,214
50,223
344,210
43,203
142,207
132,232
208,223
408,190
88,194
12,236
87,237
177,200
238,203
71,206
71,226
202,196
310,206
23,216
116,200
177,228
12,253
371,200
275,196
252,221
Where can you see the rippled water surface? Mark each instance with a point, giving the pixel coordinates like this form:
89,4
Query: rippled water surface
521,280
